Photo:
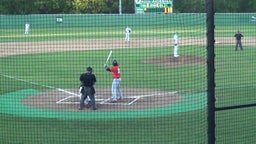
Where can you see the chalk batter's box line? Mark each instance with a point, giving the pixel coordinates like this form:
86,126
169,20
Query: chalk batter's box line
107,101
63,101
136,98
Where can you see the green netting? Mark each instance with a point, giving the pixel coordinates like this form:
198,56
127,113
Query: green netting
165,95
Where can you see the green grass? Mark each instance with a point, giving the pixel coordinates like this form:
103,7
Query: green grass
235,72
62,70
163,130
57,33
235,78
229,31
72,33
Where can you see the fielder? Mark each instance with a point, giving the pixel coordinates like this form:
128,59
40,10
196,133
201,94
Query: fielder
116,84
238,37
176,45
27,28
127,33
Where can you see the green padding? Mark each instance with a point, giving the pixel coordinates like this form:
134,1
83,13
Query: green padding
11,103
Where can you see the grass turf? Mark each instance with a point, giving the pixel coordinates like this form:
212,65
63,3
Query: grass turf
62,69
234,85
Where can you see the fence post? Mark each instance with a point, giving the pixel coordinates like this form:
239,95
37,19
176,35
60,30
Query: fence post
120,7
210,71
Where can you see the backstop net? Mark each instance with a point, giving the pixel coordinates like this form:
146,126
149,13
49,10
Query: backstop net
235,89
157,95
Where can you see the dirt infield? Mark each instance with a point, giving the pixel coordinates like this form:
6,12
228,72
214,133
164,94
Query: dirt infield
134,99
147,98
18,48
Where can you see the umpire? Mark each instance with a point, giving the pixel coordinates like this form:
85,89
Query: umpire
87,81
238,37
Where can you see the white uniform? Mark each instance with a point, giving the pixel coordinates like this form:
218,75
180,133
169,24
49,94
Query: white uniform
27,27
176,45
127,33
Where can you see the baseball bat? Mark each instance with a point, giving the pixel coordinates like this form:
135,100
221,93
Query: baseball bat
109,55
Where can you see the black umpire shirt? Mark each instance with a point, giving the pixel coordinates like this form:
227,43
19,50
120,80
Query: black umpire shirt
87,79
238,36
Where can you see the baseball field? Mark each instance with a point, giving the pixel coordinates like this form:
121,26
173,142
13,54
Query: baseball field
165,98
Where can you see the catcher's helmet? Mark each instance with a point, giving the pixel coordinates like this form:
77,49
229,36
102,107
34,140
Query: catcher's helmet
114,63
89,69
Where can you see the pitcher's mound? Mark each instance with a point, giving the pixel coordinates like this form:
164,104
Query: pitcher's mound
171,61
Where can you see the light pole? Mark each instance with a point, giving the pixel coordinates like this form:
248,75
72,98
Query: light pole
120,7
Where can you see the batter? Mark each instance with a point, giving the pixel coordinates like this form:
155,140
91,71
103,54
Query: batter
116,84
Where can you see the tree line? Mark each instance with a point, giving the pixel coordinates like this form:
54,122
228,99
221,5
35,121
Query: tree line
17,7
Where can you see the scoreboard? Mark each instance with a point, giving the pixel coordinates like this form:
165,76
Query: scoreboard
153,6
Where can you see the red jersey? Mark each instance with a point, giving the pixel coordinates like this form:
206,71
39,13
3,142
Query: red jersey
115,71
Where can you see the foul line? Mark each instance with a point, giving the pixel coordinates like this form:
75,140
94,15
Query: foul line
103,101
42,85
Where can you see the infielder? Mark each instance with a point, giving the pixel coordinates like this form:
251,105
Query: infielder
176,45
116,84
27,27
127,33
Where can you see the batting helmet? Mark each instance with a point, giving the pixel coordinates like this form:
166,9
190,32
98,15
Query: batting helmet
114,63
89,69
